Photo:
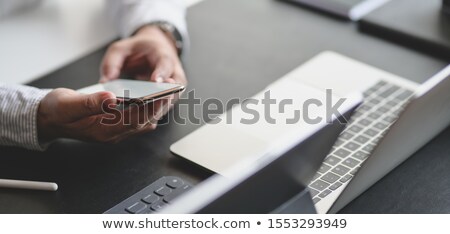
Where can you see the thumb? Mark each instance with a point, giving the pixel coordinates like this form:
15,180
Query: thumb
85,105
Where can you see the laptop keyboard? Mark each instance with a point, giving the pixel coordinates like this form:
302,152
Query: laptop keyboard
382,104
152,198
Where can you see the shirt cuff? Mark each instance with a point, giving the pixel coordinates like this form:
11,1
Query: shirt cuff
131,15
18,114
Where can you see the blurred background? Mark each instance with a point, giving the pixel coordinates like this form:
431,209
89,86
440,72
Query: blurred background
40,36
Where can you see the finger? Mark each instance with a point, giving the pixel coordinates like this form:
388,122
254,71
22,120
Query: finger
133,121
85,105
158,111
179,77
120,137
163,70
170,80
138,116
113,61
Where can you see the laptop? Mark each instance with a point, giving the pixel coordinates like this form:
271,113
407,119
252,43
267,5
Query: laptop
396,119
286,170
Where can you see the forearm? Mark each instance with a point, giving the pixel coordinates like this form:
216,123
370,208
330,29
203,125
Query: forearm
18,116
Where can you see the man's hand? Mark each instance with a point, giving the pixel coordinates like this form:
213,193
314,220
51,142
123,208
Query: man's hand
64,113
148,55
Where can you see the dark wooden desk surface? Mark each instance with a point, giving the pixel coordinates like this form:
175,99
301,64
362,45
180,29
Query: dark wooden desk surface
237,48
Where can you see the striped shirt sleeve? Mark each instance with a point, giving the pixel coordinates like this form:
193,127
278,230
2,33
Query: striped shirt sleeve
18,116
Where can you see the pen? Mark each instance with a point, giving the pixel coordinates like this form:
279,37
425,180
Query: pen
23,184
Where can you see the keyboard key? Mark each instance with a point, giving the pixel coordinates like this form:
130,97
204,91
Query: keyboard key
186,187
365,122
381,126
374,101
346,135
360,155
404,95
352,146
389,91
390,118
316,199
331,160
146,211
338,142
341,153
335,186
364,108
324,168
379,84
171,196
353,172
361,139
325,193
313,192
392,103
371,132
397,112
350,162
151,198
382,109
175,193
174,183
369,148
374,116
319,185
158,206
340,170
369,91
355,128
345,178
357,114
330,177
316,176
136,208
163,191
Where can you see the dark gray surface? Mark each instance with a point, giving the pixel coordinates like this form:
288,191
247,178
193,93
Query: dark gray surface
238,47
415,23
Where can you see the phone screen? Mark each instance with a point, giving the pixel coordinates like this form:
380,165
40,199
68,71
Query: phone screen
134,89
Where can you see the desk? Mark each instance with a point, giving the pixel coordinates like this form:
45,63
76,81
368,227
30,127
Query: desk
238,47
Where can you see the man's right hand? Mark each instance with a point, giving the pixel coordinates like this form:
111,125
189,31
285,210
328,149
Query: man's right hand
65,113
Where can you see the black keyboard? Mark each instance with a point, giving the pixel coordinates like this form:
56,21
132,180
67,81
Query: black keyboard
152,198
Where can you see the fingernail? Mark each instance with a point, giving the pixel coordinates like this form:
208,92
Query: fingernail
159,79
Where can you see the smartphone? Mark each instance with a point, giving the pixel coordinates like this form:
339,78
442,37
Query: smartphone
135,91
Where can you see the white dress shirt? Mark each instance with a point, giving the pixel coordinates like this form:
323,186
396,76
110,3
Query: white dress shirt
19,104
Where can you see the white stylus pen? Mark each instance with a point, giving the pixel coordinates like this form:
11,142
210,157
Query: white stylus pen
23,184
